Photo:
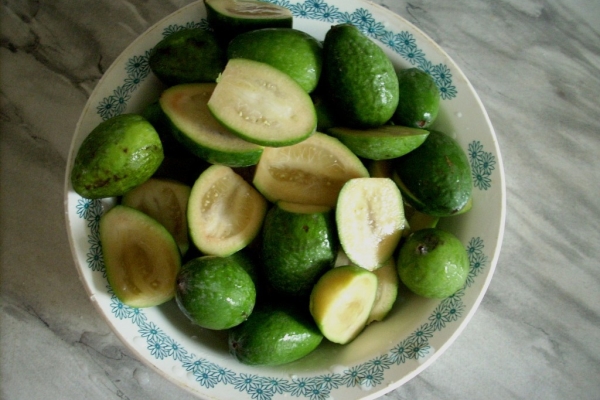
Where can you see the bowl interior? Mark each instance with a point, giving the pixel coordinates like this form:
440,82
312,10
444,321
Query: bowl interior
387,353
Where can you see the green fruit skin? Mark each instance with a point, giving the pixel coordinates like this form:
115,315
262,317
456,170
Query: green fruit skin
215,292
274,335
297,249
118,155
360,78
436,176
187,56
419,99
289,50
433,263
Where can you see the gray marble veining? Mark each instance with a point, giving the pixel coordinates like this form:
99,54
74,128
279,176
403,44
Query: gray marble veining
534,63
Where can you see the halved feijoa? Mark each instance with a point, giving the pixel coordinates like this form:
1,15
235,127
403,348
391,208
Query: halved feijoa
387,291
382,143
166,201
274,335
215,292
370,220
341,302
225,212
140,256
194,126
229,18
435,178
310,172
262,105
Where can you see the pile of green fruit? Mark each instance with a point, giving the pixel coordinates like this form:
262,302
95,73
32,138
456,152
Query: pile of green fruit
280,187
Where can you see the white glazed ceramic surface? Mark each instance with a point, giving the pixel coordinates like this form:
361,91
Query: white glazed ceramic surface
386,354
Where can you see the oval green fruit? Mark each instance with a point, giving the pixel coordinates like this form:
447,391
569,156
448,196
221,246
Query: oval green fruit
359,77
419,99
435,178
433,263
187,56
118,155
299,243
274,335
215,292
294,52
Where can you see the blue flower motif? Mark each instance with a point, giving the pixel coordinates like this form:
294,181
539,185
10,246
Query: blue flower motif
329,381
301,10
316,392
422,334
151,332
282,3
327,13
447,91
224,375
475,246
93,218
389,39
481,180
171,29
95,259
138,317
345,18
414,55
174,349
487,163
454,311
417,350
475,151
276,385
405,39
380,363
353,376
245,382
107,107
260,392
197,365
374,29
207,379
478,262
138,65
426,66
362,18
120,310
442,74
298,386
83,208
157,347
438,319
372,378
399,354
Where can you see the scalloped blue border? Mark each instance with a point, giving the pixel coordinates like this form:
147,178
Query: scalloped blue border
208,374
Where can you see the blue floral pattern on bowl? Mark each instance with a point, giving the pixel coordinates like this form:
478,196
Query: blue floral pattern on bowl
208,374
368,375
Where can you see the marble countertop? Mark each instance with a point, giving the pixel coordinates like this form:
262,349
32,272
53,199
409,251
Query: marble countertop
534,63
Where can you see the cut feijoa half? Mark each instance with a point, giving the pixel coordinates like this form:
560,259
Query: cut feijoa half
262,104
370,220
341,302
225,212
193,125
382,143
141,257
311,172
229,18
387,291
166,201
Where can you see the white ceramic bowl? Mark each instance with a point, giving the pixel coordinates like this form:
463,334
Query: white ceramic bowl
387,354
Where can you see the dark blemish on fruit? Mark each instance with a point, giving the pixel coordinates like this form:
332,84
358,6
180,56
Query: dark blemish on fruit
305,228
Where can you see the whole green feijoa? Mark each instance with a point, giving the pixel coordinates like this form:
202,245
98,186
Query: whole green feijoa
435,178
359,77
215,292
274,335
188,56
299,244
419,99
433,263
294,52
118,155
